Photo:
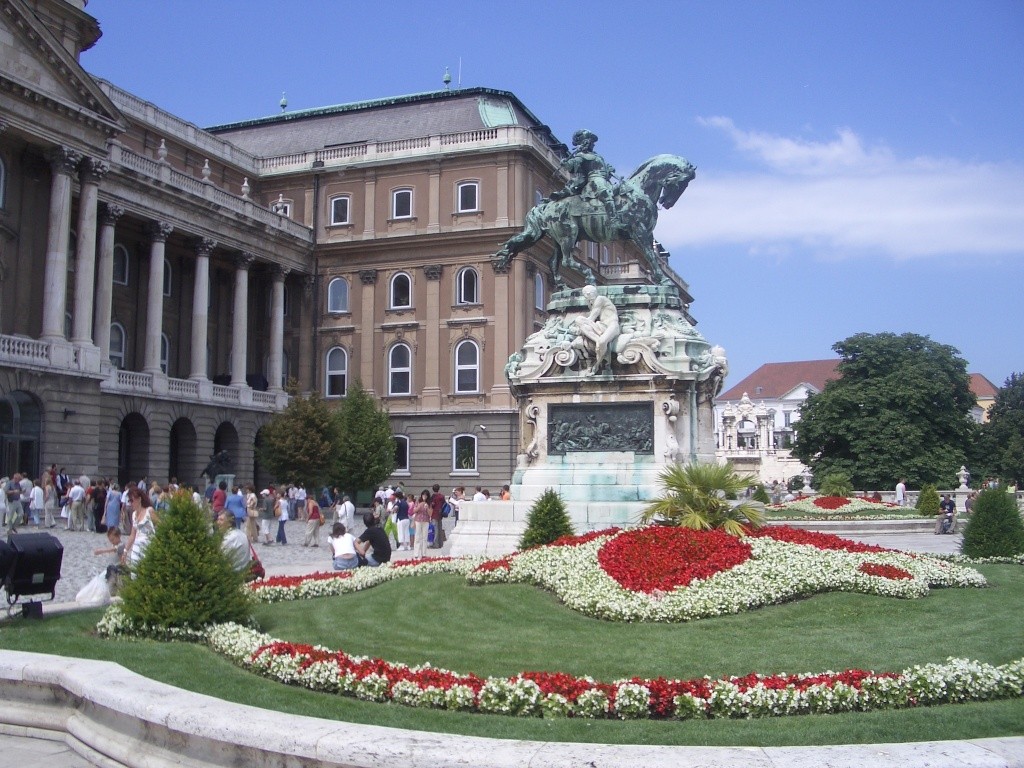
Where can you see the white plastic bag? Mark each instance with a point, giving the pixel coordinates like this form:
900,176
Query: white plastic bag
96,592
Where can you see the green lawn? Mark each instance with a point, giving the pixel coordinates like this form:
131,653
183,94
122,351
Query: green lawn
509,628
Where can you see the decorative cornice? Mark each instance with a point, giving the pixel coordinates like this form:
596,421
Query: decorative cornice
368,276
433,271
500,267
160,231
110,213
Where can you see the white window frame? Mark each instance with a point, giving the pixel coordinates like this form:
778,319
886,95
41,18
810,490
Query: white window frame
168,276
461,367
165,352
336,303
399,470
394,203
394,370
392,304
466,293
117,279
330,372
539,291
335,221
116,356
475,186
456,468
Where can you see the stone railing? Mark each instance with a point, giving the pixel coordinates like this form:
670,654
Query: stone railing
505,136
16,349
167,175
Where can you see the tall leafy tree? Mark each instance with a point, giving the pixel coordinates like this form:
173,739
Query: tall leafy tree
1000,447
366,448
900,408
299,445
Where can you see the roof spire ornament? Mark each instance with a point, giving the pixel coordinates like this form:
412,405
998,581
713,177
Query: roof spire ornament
447,79
283,102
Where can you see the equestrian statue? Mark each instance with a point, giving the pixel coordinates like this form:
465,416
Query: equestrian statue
592,207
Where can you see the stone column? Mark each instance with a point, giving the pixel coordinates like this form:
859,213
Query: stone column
367,337
434,200
201,308
159,231
432,384
240,319
369,207
105,280
277,328
501,395
63,162
307,375
91,172
502,182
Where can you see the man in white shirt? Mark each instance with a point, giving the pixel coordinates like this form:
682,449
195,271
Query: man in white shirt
348,512
479,495
901,492
235,543
76,518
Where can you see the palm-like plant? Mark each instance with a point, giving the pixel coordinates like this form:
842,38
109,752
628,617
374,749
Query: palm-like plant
698,496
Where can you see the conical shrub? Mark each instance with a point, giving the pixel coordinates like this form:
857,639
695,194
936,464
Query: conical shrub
927,501
995,528
184,579
548,521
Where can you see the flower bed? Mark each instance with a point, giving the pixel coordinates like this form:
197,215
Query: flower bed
553,694
840,508
597,578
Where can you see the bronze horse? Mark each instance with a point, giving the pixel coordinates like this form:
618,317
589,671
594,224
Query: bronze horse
662,179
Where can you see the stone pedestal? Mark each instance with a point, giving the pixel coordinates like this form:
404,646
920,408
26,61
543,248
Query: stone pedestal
600,433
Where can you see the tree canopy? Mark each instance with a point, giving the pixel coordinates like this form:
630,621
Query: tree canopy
899,409
1000,446
299,445
366,445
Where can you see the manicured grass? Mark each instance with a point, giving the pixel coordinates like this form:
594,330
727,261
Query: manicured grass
510,628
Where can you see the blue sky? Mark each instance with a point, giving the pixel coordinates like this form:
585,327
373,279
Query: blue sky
860,163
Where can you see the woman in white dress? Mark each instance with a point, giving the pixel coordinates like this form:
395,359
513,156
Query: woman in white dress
144,522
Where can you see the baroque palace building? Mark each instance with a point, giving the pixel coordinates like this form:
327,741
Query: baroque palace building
160,283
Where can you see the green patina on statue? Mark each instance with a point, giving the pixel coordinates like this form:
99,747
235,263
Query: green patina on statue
592,207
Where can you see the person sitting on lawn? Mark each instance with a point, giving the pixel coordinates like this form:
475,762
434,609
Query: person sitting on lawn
343,548
373,544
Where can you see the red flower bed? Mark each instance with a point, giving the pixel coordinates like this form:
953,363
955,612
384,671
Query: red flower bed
571,541
814,539
294,581
831,502
662,558
885,571
408,563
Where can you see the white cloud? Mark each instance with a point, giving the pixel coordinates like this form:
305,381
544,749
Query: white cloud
843,198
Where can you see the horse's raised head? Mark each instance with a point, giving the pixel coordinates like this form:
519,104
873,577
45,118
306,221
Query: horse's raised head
675,184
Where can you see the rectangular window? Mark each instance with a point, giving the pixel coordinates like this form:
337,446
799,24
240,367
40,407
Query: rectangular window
401,204
468,197
340,210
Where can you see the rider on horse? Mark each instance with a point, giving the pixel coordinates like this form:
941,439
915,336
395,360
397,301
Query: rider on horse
591,175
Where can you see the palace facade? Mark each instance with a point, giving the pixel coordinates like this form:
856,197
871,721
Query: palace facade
160,283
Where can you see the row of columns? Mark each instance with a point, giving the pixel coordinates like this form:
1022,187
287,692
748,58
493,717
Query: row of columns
88,316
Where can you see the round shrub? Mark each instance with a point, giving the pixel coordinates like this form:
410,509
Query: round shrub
548,521
927,501
184,579
995,528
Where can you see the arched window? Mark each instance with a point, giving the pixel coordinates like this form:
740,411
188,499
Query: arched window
401,454
468,197
167,278
467,367
336,384
165,352
120,264
401,291
464,453
341,208
337,295
467,287
400,370
118,342
401,204
538,291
